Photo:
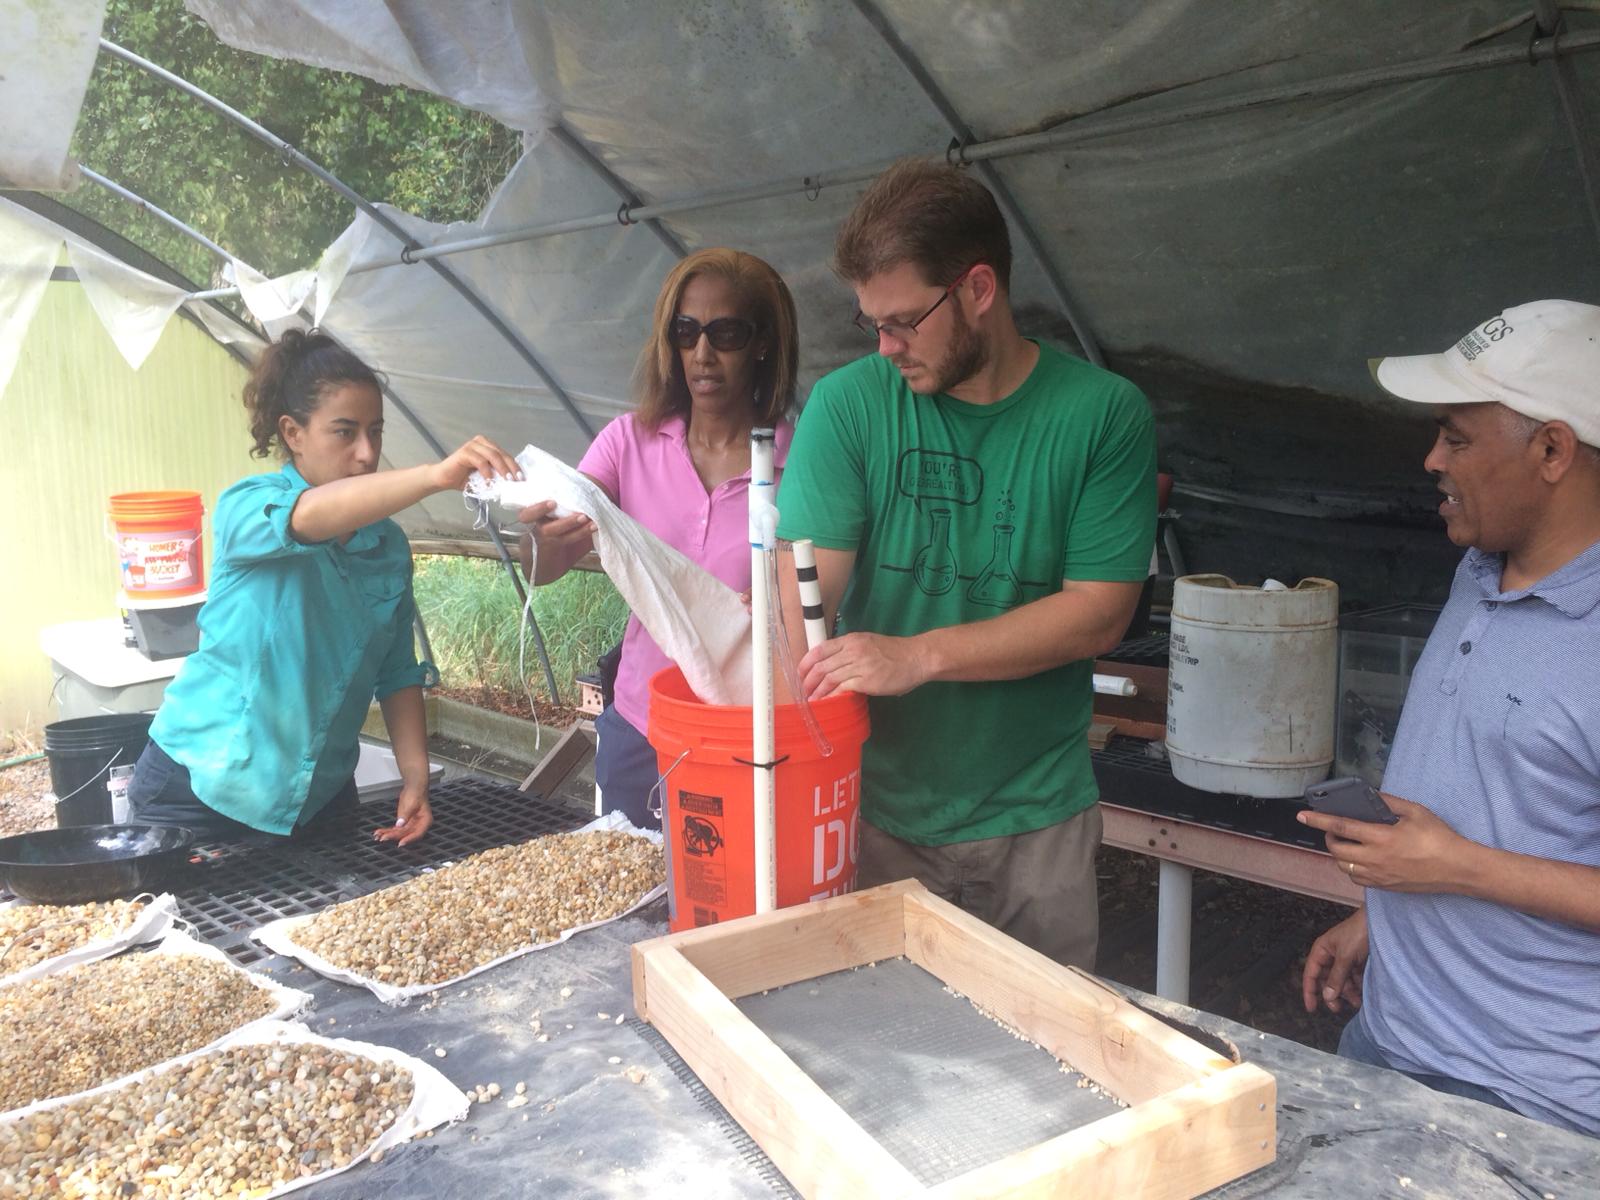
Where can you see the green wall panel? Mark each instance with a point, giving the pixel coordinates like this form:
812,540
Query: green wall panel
81,426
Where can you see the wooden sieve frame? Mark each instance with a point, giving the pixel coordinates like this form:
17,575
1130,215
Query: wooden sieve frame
1195,1119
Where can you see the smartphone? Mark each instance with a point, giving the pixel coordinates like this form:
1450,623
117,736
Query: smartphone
1350,797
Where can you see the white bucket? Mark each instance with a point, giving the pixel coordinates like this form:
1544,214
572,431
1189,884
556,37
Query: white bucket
1250,700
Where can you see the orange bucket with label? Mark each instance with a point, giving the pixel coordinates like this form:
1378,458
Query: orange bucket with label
159,548
708,819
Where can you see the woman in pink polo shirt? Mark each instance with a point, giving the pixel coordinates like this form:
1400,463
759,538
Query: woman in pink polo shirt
721,360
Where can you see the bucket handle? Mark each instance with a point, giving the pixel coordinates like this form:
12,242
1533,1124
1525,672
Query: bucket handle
92,778
655,798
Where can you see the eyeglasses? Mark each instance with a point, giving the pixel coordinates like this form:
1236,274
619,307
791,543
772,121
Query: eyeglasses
902,330
726,333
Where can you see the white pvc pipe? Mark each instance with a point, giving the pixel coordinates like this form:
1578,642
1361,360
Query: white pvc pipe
805,569
1172,931
763,535
1115,685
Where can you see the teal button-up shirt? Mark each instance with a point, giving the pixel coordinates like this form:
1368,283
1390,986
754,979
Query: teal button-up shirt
296,639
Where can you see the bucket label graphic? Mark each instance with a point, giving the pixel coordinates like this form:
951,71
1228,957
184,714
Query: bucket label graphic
705,882
708,806
701,838
159,562
835,836
704,864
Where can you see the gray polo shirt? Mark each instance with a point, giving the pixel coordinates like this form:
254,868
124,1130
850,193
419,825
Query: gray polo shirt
1500,737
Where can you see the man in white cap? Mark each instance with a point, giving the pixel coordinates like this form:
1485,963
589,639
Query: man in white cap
1476,961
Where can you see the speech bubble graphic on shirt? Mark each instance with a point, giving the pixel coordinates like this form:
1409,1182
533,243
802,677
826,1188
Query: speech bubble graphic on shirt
939,475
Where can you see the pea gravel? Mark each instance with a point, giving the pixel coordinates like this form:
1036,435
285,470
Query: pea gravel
237,1122
99,1021
31,933
441,925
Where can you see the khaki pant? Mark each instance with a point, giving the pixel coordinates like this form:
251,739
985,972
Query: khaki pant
1037,887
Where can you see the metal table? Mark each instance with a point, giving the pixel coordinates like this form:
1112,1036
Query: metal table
1149,812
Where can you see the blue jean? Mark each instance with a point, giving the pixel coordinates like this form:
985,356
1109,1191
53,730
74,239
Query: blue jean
160,794
1356,1043
625,770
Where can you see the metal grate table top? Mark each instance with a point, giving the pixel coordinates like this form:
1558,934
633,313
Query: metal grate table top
225,891
1130,778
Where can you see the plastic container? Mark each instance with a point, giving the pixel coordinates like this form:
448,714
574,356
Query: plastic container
158,539
82,752
165,632
1250,702
708,819
1377,651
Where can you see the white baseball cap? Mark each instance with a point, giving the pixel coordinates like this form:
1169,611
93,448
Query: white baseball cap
1540,359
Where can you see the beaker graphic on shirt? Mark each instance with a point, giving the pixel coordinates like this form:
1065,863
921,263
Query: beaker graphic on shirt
934,568
996,585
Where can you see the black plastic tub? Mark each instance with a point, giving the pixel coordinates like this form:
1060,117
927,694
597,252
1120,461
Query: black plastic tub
91,862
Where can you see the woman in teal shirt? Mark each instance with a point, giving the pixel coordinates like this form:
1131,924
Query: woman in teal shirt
308,617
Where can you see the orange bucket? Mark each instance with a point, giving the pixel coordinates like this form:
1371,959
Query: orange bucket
158,539
708,816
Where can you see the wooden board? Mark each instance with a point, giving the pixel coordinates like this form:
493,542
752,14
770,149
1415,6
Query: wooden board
565,759
1195,1118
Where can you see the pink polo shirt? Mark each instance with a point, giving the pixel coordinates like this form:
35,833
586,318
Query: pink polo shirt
654,481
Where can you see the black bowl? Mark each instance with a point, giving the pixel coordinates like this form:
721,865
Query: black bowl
90,862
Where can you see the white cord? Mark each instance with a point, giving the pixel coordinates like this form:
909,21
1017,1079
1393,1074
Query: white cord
522,654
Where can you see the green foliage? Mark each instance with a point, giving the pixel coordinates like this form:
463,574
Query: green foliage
419,152
473,620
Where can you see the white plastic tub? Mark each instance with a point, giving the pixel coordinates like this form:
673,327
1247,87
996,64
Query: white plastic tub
1250,702
378,775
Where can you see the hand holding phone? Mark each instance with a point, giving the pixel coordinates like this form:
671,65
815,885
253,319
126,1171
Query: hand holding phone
1353,798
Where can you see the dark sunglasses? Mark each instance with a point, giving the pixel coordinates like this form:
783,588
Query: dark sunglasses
726,333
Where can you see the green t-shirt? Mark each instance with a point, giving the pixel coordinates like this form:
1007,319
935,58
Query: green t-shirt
958,512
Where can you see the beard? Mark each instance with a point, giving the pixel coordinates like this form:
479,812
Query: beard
964,357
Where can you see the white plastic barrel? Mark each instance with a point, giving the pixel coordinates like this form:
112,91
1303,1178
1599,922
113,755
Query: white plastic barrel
1250,698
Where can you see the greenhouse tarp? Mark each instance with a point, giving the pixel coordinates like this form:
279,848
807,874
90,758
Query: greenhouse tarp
1241,267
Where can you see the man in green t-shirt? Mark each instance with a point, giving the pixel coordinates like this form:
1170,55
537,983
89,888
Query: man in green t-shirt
983,508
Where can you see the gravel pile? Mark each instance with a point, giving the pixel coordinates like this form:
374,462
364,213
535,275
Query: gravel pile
441,925
31,933
102,1020
231,1123
25,800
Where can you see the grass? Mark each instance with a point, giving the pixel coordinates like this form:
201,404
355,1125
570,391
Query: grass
473,618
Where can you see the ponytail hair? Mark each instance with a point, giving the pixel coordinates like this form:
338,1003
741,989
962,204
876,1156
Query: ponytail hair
292,377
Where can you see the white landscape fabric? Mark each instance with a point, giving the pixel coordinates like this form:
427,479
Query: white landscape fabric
287,1003
46,54
435,1100
134,307
152,922
278,936
28,250
699,622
